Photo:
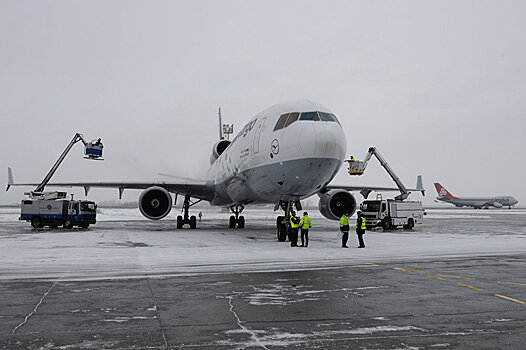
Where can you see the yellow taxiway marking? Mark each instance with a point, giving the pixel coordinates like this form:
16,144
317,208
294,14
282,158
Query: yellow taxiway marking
467,285
466,278
438,278
517,284
405,270
510,299
371,264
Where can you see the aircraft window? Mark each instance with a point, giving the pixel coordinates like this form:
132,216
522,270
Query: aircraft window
326,117
309,116
292,118
281,122
336,119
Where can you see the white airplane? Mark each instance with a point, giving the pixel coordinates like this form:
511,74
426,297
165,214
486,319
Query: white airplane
284,154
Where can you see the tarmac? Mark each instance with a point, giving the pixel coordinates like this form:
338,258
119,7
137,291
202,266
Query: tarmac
458,281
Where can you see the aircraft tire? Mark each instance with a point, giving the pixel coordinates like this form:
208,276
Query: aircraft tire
232,222
36,222
193,221
179,221
282,233
68,223
241,222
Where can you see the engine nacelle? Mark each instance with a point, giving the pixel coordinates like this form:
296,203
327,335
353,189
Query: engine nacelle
334,203
218,149
496,204
155,203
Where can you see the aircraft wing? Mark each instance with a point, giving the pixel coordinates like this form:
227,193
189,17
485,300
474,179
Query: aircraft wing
195,190
366,190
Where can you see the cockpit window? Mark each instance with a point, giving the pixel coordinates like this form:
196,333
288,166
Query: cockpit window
281,122
291,119
326,117
309,116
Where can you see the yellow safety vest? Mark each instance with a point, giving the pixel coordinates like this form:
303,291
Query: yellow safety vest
305,222
358,223
292,223
344,221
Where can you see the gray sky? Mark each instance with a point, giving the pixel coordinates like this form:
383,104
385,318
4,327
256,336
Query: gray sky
439,87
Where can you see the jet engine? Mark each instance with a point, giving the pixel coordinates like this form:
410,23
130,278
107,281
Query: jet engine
496,204
155,203
334,203
218,148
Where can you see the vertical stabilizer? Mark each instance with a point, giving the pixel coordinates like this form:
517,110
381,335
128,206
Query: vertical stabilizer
10,180
420,185
442,192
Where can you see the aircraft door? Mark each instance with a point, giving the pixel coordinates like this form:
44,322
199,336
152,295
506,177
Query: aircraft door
257,135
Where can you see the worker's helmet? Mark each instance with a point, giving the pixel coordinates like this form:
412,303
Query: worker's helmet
305,213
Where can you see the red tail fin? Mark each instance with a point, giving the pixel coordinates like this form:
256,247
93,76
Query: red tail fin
442,192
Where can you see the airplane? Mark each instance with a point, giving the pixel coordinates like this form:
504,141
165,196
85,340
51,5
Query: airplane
286,153
477,203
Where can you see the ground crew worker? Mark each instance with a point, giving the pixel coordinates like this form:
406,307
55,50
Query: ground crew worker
344,227
294,224
305,225
200,216
360,229
352,159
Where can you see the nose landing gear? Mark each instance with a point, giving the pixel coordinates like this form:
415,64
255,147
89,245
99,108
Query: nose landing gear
236,218
284,230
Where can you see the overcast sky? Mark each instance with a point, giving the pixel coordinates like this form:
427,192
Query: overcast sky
439,87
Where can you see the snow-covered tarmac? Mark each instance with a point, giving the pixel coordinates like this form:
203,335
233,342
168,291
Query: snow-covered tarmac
124,244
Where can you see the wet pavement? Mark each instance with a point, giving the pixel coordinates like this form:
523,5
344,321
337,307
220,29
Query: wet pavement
448,304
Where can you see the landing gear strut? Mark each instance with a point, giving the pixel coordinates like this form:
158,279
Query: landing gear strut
186,219
237,219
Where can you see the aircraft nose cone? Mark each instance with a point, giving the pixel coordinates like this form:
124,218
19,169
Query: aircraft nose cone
330,141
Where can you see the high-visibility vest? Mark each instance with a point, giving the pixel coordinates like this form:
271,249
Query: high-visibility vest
305,222
344,221
294,222
362,224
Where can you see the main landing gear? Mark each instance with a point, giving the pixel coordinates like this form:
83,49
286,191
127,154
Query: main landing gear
186,219
237,219
284,230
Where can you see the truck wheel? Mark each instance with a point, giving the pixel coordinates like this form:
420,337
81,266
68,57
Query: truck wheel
386,224
68,222
36,222
410,224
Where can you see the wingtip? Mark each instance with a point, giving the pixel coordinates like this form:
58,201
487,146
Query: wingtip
10,180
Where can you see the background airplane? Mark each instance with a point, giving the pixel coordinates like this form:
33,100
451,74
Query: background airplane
475,202
284,154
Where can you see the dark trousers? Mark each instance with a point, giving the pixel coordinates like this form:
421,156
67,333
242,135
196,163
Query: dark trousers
345,237
305,237
360,237
294,237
